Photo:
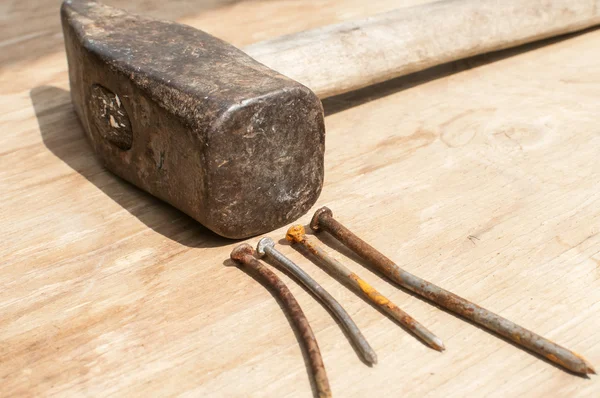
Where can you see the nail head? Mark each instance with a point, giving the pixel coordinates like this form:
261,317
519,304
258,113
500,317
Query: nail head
238,253
262,244
295,233
314,223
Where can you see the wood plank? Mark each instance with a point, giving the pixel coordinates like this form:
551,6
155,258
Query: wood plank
481,176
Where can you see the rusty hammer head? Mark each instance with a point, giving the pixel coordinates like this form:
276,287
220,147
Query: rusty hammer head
193,120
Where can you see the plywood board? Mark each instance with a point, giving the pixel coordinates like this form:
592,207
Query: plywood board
481,176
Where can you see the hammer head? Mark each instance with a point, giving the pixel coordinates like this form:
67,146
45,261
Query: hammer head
193,120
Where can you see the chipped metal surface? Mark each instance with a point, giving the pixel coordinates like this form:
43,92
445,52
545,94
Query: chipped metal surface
109,118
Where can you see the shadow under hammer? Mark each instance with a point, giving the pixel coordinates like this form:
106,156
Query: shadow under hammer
63,135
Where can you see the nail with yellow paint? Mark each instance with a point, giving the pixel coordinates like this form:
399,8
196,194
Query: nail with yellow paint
323,220
296,234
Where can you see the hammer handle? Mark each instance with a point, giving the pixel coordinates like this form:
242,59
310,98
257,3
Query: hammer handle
339,58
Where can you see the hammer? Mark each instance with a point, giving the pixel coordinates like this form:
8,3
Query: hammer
219,134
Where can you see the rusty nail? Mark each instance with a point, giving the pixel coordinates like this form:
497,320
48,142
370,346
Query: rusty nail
323,220
266,246
296,235
243,254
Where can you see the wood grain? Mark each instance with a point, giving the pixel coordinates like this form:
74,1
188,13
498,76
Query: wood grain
480,176
339,58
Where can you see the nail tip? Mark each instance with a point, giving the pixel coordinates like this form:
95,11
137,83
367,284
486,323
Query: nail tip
369,357
438,345
589,369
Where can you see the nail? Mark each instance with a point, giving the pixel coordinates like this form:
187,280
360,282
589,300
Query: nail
323,220
296,235
243,254
266,246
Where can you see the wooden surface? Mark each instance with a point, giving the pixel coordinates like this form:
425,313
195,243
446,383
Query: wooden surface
348,56
481,176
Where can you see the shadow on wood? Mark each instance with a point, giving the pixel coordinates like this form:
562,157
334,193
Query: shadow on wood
63,136
339,103
336,245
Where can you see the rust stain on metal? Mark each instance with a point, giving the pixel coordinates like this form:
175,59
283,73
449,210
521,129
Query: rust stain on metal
296,234
323,221
244,255
369,290
554,359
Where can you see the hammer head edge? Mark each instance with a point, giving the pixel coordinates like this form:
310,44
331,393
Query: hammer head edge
193,120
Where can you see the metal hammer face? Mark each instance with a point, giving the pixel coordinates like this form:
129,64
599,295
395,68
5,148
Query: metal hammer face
193,120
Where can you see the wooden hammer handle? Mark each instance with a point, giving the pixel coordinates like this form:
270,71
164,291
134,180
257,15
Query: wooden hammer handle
344,57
